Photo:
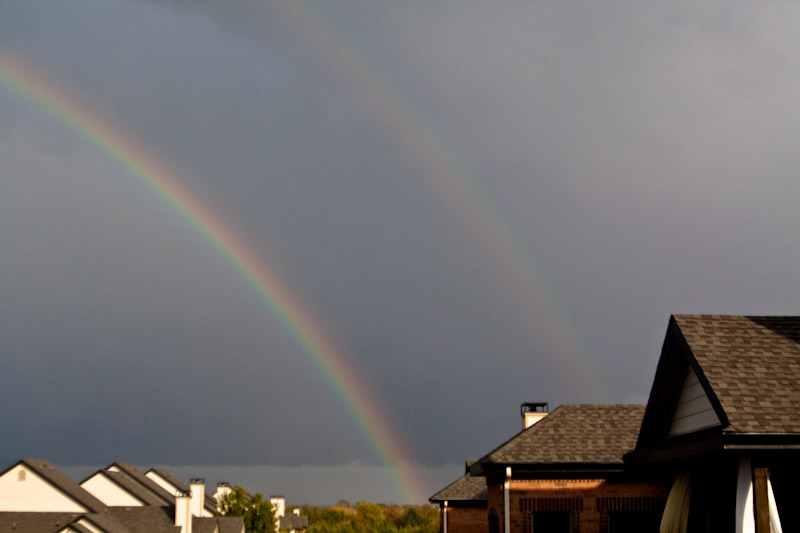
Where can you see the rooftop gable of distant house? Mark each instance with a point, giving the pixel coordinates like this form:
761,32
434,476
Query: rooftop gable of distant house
135,475
173,485
115,488
46,484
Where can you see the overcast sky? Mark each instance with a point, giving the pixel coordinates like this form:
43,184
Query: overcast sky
484,203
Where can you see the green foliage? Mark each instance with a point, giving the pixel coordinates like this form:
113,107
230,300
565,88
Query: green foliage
258,514
367,517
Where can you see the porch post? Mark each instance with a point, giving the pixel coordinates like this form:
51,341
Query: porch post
745,521
761,500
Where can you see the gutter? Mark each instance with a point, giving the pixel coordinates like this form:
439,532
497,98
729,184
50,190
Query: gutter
506,504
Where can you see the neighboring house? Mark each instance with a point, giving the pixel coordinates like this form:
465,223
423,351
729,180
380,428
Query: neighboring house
37,497
719,437
565,474
287,523
173,485
724,419
462,504
292,522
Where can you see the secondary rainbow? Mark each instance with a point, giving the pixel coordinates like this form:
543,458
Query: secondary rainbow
166,183
454,184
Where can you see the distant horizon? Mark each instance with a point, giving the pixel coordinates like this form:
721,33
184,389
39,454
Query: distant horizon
316,486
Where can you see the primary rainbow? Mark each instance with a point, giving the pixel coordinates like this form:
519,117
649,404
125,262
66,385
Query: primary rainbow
172,189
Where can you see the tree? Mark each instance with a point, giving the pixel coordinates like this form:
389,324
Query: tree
259,516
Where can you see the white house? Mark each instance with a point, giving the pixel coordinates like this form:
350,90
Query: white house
36,497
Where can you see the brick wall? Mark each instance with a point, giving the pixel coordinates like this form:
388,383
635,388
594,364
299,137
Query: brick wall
589,501
466,520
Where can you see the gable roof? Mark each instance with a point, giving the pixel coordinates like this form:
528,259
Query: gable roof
135,475
572,437
36,522
753,367
64,483
468,490
169,478
293,522
134,488
748,368
150,518
209,503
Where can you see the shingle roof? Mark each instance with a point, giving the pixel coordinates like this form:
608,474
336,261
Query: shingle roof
204,525
64,483
136,475
36,522
466,488
753,366
574,434
132,487
293,522
230,524
183,487
151,519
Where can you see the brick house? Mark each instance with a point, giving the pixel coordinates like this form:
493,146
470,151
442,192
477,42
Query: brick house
716,448
462,504
565,473
723,419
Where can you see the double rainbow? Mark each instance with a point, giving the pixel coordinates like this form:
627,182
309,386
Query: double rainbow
448,176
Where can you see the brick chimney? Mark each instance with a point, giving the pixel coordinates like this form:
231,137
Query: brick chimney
532,412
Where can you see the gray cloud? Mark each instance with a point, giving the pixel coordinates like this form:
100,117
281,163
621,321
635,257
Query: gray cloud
643,156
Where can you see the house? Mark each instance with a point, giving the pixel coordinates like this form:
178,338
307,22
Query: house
287,523
174,485
462,504
716,448
565,473
37,497
723,419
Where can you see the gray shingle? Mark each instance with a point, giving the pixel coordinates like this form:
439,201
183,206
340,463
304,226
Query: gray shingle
575,434
466,488
36,522
753,366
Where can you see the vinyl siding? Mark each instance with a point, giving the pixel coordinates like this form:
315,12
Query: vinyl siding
30,492
694,411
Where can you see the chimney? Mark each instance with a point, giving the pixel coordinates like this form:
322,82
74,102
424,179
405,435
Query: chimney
198,494
223,488
279,504
183,512
532,412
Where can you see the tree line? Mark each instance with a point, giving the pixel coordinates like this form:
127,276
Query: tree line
363,517
367,517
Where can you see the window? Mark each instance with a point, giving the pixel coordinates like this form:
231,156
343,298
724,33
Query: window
551,522
21,475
